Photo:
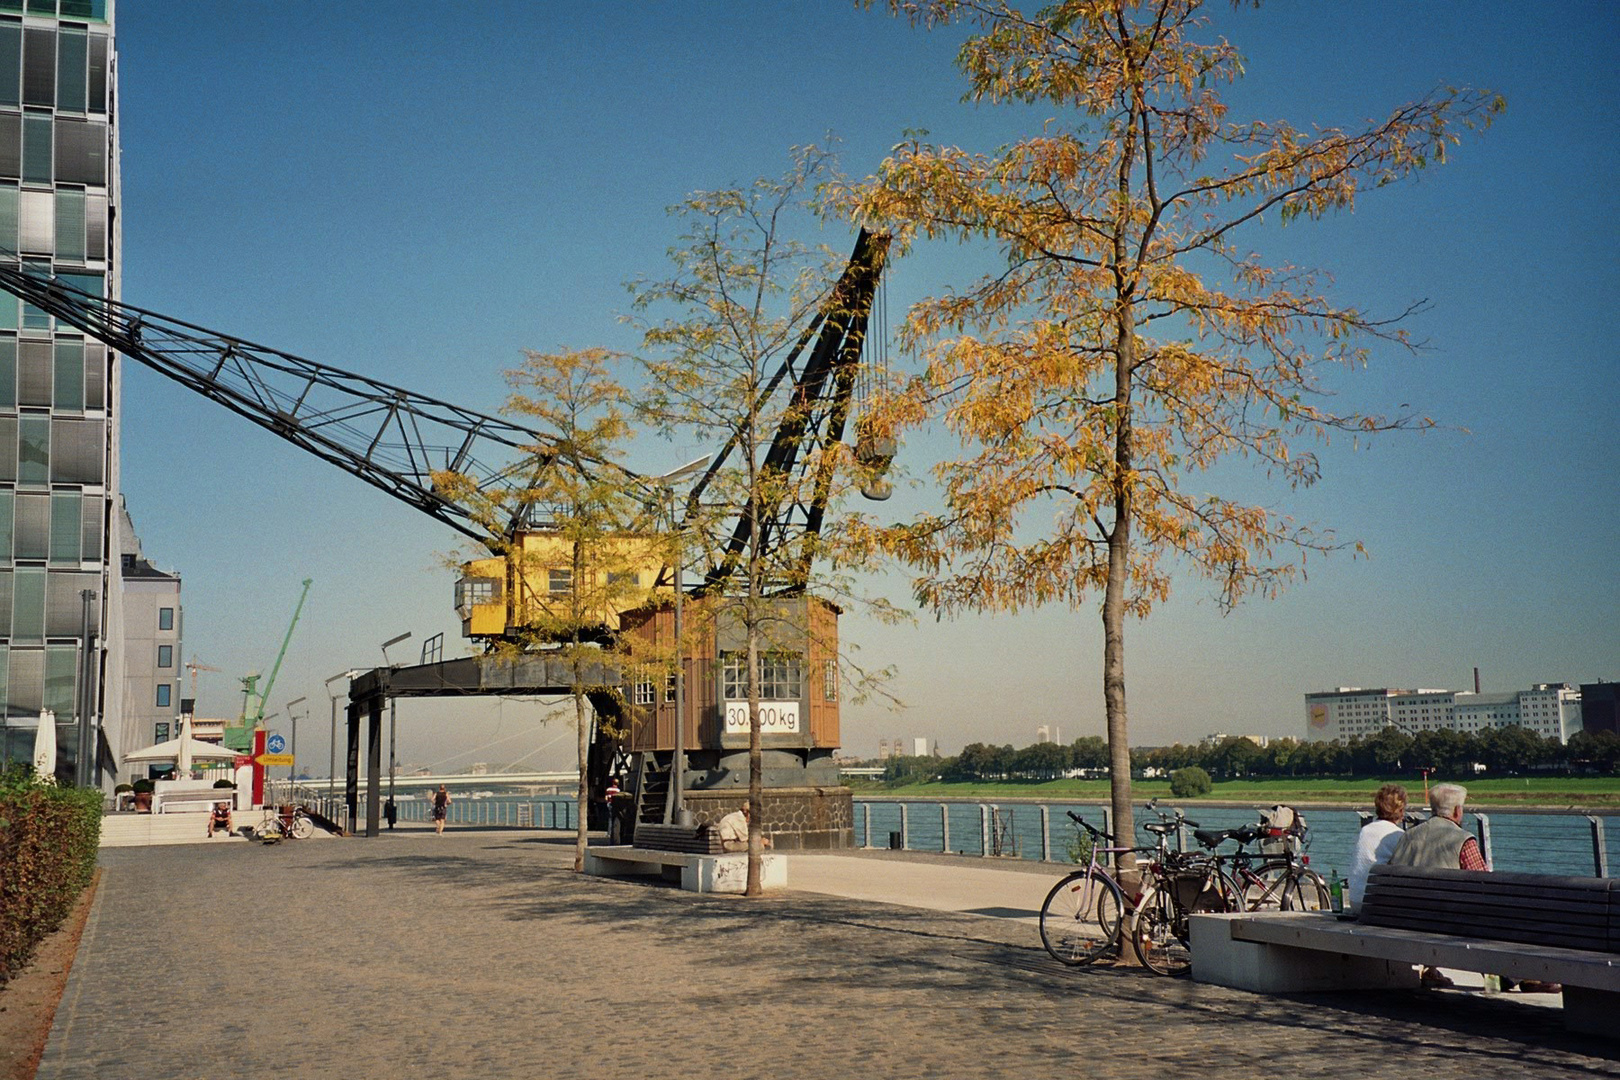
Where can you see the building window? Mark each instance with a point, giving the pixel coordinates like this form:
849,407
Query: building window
160,731
165,618
559,581
644,693
669,688
780,676
163,692
829,680
165,656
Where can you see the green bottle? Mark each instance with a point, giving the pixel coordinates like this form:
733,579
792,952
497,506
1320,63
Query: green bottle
1335,892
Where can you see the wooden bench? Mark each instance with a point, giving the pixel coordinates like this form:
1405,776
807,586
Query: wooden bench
1524,926
698,840
698,871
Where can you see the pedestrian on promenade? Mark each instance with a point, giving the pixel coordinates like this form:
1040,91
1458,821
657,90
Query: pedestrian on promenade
441,809
1377,839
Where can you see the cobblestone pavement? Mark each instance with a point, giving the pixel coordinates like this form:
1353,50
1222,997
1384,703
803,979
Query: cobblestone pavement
479,954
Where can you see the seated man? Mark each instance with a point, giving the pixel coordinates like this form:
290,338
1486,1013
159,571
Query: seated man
1442,841
220,818
733,830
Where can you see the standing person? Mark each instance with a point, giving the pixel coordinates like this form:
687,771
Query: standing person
441,808
1377,839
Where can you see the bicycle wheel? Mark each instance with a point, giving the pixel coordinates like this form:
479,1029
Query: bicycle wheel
302,828
1081,917
1155,940
1304,890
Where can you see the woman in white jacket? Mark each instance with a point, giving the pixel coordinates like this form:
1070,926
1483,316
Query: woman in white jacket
1378,838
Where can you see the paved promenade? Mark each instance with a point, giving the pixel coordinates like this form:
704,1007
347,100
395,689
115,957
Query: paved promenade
479,954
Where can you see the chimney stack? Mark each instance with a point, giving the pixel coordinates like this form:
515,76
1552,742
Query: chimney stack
1476,680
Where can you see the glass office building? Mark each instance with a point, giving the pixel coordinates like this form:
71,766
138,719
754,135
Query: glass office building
59,391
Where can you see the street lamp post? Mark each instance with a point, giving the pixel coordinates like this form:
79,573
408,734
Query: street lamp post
331,762
292,770
674,806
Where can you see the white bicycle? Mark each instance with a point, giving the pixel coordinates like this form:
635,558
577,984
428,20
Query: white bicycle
276,826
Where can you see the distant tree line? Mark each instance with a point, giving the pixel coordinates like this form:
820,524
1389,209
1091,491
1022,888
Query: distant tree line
1507,751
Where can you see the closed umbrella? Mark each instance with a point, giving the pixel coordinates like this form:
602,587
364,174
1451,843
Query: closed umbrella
45,746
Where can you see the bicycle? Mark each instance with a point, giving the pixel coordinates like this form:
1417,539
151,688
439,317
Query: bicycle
1267,882
1175,885
287,824
1082,915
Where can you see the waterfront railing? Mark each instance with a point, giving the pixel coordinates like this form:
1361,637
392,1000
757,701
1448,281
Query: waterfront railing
1542,841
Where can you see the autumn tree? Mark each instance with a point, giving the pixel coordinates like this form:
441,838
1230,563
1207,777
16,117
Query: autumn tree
716,333
575,565
1130,341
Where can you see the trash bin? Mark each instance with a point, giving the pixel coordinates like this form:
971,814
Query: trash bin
894,841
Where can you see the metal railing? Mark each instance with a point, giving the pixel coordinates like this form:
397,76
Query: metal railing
539,813
996,834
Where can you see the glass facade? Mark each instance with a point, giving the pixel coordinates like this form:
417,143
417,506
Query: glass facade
58,434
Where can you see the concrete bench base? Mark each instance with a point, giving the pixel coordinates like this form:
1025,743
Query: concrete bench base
698,873
1295,952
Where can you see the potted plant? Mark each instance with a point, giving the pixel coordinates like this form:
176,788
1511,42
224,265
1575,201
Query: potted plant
142,796
121,795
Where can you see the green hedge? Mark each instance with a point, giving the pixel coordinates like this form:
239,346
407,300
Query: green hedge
48,842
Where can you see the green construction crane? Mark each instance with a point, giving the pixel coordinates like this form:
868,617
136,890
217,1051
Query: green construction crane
240,736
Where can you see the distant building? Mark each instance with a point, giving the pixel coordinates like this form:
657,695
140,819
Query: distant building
151,654
1599,707
1215,739
1046,733
1551,710
919,747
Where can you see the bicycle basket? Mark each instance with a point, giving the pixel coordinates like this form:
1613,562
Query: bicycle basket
1282,831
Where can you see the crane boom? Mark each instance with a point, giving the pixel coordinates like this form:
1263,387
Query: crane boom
390,437
401,442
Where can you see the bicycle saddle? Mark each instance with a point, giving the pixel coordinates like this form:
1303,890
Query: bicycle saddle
1213,837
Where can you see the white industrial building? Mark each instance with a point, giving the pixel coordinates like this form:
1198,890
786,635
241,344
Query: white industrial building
1551,710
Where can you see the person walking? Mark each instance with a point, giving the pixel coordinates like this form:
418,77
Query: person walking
441,809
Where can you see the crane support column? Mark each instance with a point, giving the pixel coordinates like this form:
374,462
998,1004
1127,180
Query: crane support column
374,765
351,783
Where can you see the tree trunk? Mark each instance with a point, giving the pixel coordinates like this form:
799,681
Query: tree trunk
756,763
581,719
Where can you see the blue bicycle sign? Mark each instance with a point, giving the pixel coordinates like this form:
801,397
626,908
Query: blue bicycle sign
275,744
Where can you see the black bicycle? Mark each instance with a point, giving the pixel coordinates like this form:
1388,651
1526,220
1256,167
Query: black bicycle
1175,885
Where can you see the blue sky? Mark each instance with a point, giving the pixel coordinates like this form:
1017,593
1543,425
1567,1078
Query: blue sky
421,191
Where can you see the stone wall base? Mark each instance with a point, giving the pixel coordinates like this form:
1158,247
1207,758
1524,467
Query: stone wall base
796,818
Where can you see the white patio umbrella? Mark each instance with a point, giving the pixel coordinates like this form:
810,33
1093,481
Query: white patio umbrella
181,751
45,746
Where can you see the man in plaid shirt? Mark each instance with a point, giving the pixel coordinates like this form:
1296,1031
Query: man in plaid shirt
1442,841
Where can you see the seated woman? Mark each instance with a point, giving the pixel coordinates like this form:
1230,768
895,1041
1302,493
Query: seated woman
220,818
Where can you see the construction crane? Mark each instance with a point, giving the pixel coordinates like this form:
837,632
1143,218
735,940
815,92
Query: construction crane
194,666
405,443
239,735
399,441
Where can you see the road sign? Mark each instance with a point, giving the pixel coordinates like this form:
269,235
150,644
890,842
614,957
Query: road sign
276,744
275,759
